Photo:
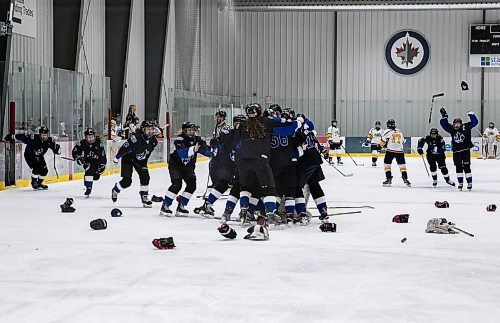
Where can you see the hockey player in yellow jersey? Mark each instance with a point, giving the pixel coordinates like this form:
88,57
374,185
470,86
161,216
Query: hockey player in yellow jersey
393,140
333,135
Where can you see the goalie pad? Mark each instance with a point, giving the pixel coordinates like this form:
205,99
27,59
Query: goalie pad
98,224
442,205
226,231
440,225
257,232
401,218
328,227
164,243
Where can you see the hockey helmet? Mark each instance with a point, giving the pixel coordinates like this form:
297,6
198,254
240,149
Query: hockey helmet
276,108
269,112
334,122
253,110
90,135
288,113
491,125
221,114
44,132
391,124
147,128
434,132
303,116
239,118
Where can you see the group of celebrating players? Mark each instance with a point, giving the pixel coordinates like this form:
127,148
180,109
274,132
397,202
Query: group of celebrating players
266,158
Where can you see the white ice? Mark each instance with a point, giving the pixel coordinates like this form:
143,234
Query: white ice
54,268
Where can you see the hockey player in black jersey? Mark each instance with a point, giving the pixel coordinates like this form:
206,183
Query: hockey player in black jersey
134,154
223,168
90,154
181,167
284,159
461,144
435,155
36,147
309,172
254,169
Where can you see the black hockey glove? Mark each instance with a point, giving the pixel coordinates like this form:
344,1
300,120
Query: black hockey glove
164,243
80,161
98,224
101,168
443,112
328,227
226,231
442,205
420,151
401,218
57,149
9,137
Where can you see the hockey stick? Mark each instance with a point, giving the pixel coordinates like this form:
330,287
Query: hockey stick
423,160
346,207
352,158
335,214
432,104
67,158
55,169
463,231
338,170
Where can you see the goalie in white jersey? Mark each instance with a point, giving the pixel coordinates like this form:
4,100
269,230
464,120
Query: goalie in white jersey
333,135
491,139
374,140
393,139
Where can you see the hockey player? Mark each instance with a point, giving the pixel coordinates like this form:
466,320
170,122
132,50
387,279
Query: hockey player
373,140
435,155
90,154
461,144
309,172
224,165
181,167
134,154
254,135
36,147
333,135
491,137
284,159
393,139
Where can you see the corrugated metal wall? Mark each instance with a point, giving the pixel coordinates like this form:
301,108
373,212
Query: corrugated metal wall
370,90
91,56
36,50
134,74
492,83
168,77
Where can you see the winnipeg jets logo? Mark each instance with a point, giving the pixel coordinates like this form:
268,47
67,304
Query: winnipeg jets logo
407,52
39,152
458,137
142,155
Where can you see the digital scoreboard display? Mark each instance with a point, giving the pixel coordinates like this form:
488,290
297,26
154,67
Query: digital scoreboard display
485,39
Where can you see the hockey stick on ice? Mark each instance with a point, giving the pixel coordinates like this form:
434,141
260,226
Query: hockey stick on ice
423,160
432,104
335,214
463,231
347,207
338,170
352,158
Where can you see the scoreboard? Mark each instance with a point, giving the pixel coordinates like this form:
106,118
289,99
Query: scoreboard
485,39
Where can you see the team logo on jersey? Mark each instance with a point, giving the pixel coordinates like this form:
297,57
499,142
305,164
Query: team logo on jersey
459,137
142,155
407,52
39,152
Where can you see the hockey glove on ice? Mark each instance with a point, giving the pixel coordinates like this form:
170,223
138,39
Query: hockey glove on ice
98,224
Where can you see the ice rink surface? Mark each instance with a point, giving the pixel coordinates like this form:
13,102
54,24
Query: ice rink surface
54,268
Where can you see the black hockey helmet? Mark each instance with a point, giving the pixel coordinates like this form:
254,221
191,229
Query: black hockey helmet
221,114
239,118
276,108
43,129
391,124
189,125
90,135
288,113
457,123
269,112
303,116
253,108
145,125
491,125
334,121
434,132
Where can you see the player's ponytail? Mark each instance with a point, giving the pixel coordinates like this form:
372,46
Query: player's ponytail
255,129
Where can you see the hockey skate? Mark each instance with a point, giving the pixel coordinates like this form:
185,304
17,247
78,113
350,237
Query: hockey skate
323,216
146,202
469,186
374,164
181,211
243,216
407,182
460,186
87,192
387,182
34,184
302,219
42,186
226,217
450,182
434,183
339,162
206,210
165,211
114,195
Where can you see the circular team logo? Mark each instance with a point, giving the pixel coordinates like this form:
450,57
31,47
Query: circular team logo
407,52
